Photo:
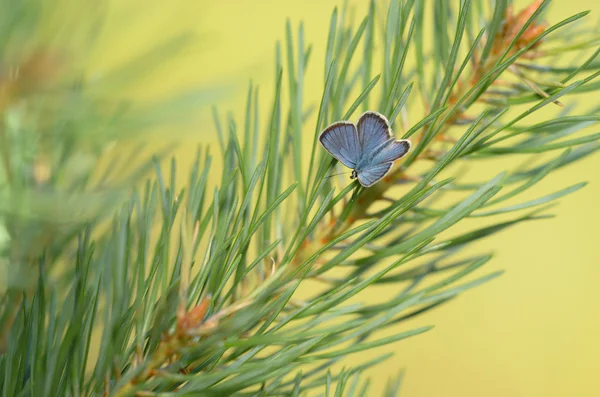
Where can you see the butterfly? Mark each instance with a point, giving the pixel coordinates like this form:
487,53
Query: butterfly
368,148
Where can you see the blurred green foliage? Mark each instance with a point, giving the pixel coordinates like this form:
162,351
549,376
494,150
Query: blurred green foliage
209,305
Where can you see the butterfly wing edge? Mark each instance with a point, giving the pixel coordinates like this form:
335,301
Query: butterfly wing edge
331,127
390,163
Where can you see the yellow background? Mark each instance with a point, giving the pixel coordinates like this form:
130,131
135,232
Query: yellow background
535,331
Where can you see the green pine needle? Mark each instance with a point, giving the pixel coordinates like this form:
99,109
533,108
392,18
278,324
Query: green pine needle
201,289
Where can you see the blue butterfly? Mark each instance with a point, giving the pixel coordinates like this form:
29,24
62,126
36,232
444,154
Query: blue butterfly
368,147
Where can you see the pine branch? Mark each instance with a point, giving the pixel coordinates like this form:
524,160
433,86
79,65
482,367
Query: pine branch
194,290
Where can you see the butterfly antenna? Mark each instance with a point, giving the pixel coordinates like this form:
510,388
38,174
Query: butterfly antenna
339,173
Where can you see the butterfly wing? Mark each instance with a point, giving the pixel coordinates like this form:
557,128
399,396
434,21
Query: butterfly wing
373,131
369,146
378,148
341,141
392,151
372,174
382,162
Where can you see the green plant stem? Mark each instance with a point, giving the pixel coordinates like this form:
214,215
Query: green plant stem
370,196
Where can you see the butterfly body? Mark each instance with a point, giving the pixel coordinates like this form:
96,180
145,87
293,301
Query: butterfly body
368,147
